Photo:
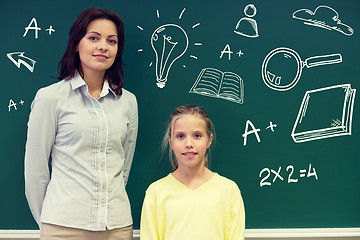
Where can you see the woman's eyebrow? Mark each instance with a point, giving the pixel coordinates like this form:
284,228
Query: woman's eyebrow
94,32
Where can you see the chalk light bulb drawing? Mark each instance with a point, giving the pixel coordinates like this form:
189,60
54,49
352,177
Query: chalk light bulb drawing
169,43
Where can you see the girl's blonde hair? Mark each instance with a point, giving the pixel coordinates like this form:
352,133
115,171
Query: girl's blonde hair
178,113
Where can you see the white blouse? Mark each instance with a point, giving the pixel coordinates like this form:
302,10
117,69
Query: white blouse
90,144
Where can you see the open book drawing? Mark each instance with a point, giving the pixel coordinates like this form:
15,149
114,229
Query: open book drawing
215,83
324,113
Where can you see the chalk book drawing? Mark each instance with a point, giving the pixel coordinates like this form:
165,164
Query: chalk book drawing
282,67
325,112
212,82
323,17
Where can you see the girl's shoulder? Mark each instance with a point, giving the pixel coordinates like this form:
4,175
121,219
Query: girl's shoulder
225,183
160,184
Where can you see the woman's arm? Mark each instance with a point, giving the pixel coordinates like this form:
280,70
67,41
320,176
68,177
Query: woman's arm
40,138
130,141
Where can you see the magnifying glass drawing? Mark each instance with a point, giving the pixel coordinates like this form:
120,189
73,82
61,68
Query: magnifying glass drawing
282,67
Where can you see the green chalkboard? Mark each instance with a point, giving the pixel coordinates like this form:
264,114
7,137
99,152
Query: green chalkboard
277,77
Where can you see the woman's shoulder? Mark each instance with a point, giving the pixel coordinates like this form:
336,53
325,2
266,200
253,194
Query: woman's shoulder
55,87
52,90
128,96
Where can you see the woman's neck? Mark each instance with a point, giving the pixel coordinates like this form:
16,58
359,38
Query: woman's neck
95,82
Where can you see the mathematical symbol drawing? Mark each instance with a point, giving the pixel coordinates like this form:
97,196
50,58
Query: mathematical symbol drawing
277,174
240,53
271,126
302,173
18,58
50,29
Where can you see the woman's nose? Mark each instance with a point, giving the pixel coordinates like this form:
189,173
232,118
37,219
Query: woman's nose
102,46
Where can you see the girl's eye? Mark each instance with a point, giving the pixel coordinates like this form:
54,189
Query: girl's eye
197,135
179,136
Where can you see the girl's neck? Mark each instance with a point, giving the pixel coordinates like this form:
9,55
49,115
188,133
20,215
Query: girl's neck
193,178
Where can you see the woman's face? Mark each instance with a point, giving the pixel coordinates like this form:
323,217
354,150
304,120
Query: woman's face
98,48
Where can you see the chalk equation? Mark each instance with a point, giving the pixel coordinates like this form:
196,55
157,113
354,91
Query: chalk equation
292,175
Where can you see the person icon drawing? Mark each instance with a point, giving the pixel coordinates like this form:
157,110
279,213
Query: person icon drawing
247,26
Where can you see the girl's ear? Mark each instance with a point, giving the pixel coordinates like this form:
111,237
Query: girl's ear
169,140
210,140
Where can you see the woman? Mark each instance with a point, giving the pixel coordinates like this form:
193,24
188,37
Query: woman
87,125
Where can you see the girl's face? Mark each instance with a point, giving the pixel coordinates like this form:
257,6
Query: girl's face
98,48
189,141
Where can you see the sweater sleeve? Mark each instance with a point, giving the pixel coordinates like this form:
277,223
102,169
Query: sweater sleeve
130,141
149,224
40,138
237,224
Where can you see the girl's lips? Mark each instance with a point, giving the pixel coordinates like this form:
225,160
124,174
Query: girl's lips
189,154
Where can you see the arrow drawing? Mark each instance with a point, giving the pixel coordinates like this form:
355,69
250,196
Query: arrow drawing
18,58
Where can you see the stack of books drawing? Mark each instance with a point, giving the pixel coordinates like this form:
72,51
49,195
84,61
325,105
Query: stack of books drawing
215,83
324,113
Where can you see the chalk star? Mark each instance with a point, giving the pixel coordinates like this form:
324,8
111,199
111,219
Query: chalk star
240,53
272,126
50,29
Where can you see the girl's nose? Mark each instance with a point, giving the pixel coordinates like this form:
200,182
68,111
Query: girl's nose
188,144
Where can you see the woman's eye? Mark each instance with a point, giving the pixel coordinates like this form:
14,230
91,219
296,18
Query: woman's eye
112,42
93,38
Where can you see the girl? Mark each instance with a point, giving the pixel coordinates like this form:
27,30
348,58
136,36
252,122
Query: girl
87,124
192,202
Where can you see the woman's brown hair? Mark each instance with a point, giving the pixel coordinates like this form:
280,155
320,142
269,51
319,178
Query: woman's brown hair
69,64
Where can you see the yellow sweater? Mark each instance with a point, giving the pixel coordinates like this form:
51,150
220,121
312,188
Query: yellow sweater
172,211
